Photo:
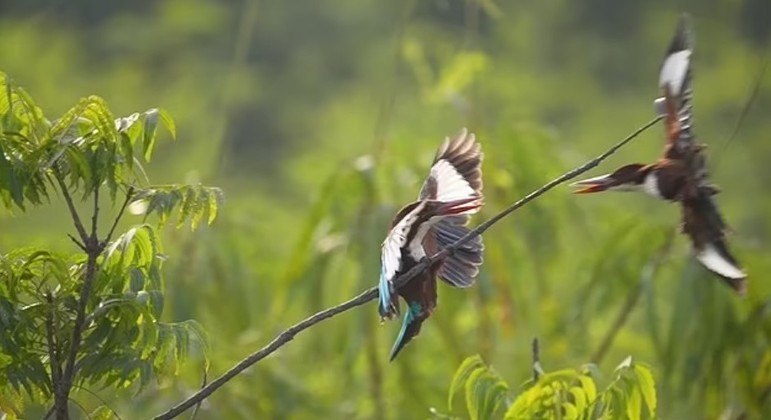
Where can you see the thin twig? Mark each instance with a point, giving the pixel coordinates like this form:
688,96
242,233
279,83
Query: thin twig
648,273
100,399
50,412
56,368
77,242
203,384
537,370
71,206
368,295
129,195
747,105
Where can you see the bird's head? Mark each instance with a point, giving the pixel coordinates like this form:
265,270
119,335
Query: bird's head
626,178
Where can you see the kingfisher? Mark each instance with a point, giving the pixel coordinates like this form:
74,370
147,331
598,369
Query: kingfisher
449,195
680,175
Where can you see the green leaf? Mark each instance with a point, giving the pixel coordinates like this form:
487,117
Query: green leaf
102,413
469,365
633,404
168,122
647,387
151,124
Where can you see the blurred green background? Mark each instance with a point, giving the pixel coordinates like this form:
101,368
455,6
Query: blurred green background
319,119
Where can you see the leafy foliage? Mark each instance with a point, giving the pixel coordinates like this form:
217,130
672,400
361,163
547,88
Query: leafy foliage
562,394
275,104
124,343
193,201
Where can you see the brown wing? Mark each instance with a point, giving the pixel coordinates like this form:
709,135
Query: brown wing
672,127
456,172
705,226
675,82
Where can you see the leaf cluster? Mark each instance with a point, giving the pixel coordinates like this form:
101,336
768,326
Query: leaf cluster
562,394
123,342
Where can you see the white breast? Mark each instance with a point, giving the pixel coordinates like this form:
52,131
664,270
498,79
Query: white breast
651,185
417,252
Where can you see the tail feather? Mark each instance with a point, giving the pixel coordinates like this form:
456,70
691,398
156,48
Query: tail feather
717,259
413,320
461,268
705,226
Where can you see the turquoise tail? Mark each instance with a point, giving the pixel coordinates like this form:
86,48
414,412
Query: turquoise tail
410,328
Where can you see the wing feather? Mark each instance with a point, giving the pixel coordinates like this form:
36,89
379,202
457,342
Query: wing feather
705,227
391,258
456,172
460,268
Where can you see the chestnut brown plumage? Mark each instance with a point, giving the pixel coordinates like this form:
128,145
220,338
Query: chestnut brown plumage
681,174
450,194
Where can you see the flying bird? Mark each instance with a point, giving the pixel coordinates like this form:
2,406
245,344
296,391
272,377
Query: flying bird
449,195
680,175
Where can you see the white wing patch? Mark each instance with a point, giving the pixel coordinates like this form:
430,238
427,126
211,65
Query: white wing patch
713,260
391,250
674,69
450,184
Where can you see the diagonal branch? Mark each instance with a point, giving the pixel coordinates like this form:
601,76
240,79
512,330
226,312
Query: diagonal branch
129,196
71,206
368,295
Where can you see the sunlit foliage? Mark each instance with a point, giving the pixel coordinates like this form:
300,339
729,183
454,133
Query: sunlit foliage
124,342
564,394
319,119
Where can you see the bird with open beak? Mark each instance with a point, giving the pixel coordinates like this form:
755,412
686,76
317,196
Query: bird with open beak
452,192
680,175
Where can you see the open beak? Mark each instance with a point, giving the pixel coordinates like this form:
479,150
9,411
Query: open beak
462,206
592,185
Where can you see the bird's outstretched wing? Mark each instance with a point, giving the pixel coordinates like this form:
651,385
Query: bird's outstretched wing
461,268
706,228
456,174
676,68
675,84
391,258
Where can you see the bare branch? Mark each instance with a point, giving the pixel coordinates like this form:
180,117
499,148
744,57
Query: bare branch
747,105
288,334
77,242
95,216
71,206
53,354
77,332
283,338
129,195
537,369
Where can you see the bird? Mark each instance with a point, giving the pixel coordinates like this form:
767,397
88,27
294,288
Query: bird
680,175
438,218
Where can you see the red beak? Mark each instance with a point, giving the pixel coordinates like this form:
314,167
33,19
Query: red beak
592,185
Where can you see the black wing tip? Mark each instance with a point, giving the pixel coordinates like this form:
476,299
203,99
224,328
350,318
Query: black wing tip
737,284
683,39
